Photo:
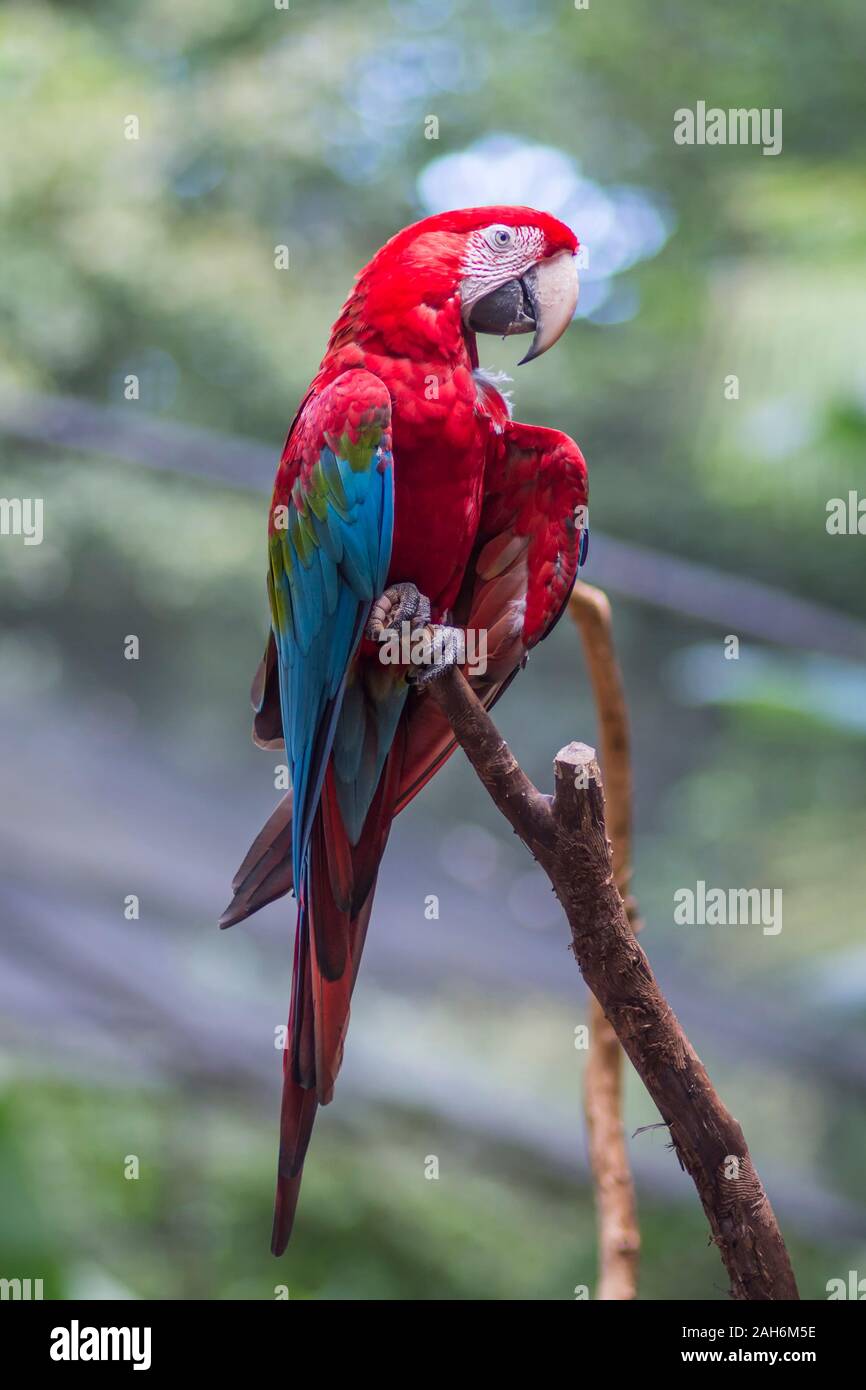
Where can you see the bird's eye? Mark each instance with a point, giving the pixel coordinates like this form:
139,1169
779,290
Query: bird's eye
500,237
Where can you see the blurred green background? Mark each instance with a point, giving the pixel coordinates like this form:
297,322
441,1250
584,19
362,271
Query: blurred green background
153,1038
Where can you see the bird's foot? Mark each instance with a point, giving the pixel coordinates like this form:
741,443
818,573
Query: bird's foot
400,603
428,649
436,647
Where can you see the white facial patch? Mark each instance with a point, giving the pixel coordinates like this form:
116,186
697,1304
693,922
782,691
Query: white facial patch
495,255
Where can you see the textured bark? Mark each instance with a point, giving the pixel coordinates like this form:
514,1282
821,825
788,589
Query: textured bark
568,837
615,1201
616,1204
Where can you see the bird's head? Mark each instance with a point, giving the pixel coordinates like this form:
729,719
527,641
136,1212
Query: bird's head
498,270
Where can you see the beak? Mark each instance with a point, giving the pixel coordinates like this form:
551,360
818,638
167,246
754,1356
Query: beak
542,301
553,288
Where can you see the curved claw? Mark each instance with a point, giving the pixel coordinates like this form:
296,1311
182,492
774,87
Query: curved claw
399,604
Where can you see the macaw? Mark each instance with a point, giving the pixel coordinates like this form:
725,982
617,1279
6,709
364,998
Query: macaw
406,490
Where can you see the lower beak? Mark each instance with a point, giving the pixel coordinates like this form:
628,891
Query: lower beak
542,302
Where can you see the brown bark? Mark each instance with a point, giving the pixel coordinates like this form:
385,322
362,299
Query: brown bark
616,1205
568,837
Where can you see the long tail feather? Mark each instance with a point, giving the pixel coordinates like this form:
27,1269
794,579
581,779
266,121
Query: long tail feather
296,1125
266,873
332,928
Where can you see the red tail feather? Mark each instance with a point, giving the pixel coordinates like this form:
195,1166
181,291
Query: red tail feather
332,928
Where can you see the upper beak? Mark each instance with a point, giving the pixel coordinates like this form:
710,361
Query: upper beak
543,300
553,288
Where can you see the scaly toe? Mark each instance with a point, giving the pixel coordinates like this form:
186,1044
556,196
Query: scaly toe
399,604
441,652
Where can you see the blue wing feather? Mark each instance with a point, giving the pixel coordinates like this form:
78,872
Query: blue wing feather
328,563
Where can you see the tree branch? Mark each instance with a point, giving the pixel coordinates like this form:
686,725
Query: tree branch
616,1205
569,839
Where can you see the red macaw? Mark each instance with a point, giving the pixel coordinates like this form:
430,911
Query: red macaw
403,479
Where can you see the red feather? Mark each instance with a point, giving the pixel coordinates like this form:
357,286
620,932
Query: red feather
485,526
